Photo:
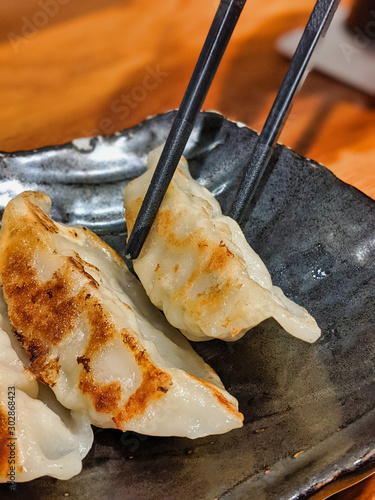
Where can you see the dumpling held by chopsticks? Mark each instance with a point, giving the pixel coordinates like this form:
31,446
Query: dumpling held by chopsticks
197,266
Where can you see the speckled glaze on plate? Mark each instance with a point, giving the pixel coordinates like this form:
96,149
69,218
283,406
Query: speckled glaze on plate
309,409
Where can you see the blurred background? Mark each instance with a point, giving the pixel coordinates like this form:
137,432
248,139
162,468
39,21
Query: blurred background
73,68
79,68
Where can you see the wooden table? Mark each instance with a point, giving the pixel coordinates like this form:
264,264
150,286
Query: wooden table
73,68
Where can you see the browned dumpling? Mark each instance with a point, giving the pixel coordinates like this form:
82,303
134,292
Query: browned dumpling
197,266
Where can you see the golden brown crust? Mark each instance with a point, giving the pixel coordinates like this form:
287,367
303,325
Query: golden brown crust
215,261
155,383
44,307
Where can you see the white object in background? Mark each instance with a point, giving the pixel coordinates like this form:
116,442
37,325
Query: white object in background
341,54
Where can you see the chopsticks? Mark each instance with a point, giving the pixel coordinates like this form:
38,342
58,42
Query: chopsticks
316,26
209,59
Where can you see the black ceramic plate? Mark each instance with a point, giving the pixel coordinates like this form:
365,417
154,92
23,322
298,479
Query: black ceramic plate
309,409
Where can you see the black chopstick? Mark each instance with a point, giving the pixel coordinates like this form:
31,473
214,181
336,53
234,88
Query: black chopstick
213,49
316,26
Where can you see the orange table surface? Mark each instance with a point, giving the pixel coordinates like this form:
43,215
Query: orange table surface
74,68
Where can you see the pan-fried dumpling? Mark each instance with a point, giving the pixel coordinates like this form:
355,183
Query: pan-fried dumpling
93,336
197,266
35,439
